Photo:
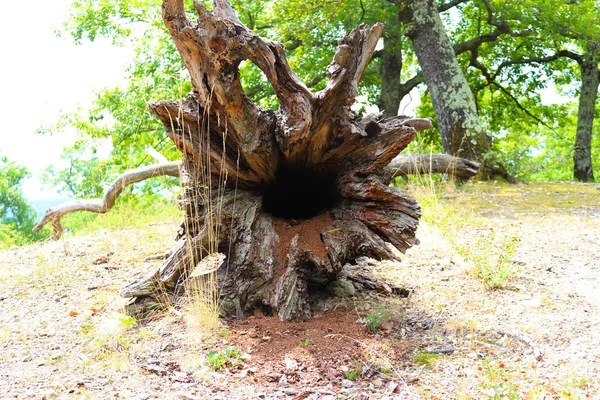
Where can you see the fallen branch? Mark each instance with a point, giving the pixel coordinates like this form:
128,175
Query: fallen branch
104,204
402,165
421,164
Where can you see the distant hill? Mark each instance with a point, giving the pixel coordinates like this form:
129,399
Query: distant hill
40,206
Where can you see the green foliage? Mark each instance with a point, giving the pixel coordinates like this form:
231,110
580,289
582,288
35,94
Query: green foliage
119,118
351,375
377,317
230,358
17,217
510,107
305,342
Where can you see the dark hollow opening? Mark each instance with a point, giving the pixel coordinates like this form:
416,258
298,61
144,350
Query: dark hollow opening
300,193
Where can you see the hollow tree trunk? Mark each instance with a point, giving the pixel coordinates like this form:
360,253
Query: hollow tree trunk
289,197
590,79
458,122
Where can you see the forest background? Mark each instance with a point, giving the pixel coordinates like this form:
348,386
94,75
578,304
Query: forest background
530,69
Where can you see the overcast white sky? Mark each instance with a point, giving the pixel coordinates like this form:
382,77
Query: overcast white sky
41,76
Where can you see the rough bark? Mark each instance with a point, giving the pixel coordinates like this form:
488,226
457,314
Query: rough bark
421,164
458,122
289,197
104,204
391,66
590,79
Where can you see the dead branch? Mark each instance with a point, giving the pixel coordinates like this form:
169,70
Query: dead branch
104,204
421,164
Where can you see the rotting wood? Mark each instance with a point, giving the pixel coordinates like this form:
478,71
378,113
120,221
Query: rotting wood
289,197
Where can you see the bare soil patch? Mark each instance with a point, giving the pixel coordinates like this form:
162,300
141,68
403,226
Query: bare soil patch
63,333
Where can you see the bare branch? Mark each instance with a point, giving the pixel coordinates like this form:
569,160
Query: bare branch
502,28
450,4
104,204
410,84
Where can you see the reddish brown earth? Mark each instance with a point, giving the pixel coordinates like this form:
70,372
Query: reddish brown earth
310,352
309,234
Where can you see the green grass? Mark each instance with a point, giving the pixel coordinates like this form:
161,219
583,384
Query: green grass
129,212
454,209
351,375
492,260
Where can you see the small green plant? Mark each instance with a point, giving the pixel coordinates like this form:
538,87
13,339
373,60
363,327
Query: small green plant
379,316
230,357
127,321
305,342
497,379
423,359
351,375
492,263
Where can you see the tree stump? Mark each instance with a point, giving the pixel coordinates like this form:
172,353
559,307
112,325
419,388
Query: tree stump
289,197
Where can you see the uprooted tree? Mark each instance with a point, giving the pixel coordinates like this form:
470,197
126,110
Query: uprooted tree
290,197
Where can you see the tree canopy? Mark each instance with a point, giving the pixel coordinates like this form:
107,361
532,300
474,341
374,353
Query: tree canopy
17,217
508,53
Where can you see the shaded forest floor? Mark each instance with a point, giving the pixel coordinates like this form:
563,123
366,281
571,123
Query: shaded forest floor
63,333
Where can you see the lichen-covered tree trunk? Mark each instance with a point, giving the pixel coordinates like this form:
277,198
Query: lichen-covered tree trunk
590,79
458,122
289,197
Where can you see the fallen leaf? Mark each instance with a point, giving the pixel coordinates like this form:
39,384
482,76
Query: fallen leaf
73,313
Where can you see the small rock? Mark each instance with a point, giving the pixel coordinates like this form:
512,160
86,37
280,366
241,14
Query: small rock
290,364
346,383
392,386
378,382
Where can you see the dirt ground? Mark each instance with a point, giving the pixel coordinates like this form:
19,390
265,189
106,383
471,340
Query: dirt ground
63,333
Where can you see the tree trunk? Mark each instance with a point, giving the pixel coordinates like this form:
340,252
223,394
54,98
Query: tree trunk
590,78
458,122
391,66
289,197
